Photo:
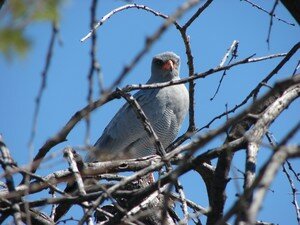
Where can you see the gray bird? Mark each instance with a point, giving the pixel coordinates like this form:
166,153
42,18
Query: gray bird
125,137
165,108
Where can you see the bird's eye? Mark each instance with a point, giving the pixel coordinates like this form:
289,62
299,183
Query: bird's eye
159,62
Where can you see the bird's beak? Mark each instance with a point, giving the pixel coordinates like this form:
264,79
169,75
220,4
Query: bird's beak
168,65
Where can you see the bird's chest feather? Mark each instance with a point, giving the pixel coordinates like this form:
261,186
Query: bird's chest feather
174,99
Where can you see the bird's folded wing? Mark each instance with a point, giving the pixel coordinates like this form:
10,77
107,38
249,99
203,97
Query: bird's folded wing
125,128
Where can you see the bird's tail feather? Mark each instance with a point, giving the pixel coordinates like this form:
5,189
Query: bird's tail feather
63,208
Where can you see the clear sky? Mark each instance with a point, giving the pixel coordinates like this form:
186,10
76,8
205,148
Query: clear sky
118,42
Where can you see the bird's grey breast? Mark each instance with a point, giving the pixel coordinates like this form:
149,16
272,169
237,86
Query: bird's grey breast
168,112
125,136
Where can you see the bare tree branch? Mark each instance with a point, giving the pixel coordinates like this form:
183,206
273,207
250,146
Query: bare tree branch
94,67
255,135
294,8
43,83
271,14
271,21
233,51
254,92
294,192
263,180
79,181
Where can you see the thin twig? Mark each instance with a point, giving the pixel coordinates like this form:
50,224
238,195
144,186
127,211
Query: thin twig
92,69
218,69
117,10
233,51
265,11
296,68
294,193
297,175
287,57
197,14
190,63
271,22
43,84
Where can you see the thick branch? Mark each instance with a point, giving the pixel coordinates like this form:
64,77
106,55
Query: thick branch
294,8
261,126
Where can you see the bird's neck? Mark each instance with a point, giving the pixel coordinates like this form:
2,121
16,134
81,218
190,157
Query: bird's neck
161,79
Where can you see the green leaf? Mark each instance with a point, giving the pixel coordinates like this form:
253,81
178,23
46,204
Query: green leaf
46,10
18,8
13,41
18,15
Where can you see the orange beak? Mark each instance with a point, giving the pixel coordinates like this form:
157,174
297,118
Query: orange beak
169,65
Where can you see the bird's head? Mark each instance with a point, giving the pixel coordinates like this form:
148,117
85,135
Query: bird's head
165,67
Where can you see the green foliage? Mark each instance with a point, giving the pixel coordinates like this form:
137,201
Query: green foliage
16,15
46,10
13,41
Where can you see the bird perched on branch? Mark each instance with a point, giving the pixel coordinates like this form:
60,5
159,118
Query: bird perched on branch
125,136
165,108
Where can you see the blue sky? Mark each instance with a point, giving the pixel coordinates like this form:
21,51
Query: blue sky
118,42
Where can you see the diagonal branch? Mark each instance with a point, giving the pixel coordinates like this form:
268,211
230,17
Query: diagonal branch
145,122
271,14
294,8
197,14
254,92
43,83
